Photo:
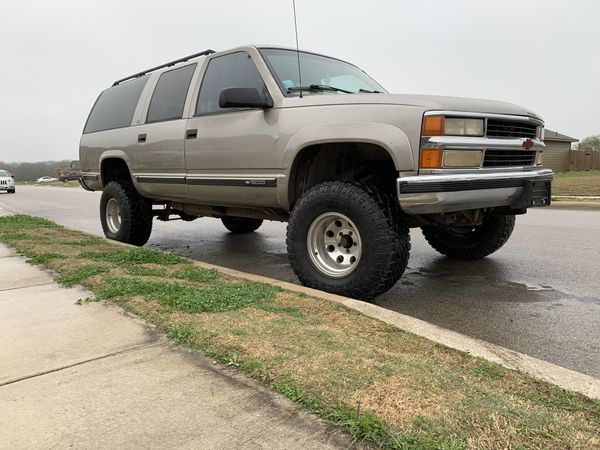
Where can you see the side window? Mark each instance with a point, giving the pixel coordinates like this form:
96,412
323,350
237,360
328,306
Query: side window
228,71
115,106
169,95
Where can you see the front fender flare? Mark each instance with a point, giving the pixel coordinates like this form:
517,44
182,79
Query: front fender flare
389,137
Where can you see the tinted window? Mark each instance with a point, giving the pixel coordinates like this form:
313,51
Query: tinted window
233,70
170,93
115,106
3,173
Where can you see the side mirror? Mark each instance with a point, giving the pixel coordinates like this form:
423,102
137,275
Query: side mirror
244,98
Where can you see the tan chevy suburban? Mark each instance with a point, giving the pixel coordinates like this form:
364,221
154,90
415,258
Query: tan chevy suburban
257,133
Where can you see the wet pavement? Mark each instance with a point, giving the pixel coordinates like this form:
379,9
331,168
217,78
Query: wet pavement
538,295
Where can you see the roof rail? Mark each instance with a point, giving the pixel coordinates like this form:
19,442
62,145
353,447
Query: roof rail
172,63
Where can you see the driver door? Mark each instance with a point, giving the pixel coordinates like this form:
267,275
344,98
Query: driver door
230,153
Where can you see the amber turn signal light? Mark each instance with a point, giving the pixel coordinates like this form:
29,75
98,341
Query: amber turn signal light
431,158
433,126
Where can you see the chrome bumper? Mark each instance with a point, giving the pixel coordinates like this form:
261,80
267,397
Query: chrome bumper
430,194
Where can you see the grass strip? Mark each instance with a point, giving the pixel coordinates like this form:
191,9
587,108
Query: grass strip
388,388
577,183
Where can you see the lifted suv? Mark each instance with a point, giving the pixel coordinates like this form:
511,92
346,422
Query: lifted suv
239,135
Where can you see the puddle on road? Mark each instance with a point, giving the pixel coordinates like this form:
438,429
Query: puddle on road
487,285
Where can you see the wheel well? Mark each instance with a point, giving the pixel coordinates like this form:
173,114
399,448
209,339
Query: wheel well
361,162
114,169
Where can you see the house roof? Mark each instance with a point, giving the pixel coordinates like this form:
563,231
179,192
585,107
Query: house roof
550,135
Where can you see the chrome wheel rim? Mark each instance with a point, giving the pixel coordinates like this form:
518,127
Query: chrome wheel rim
334,244
113,216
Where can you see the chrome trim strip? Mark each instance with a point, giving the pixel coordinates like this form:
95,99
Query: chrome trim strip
479,143
242,182
90,176
483,115
460,177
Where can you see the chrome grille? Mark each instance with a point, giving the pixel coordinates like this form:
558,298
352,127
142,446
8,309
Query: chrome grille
506,129
508,158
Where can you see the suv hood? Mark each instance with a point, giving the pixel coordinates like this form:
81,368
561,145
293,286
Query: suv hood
426,102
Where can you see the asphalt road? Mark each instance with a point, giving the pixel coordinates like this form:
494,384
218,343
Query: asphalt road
539,294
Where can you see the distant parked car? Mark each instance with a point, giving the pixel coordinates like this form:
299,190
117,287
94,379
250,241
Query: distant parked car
7,183
46,180
69,177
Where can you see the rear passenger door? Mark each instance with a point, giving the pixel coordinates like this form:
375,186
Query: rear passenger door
160,153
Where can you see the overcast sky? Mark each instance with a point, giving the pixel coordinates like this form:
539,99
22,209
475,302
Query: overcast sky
58,55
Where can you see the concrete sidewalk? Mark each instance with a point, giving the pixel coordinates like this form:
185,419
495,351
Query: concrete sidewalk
90,376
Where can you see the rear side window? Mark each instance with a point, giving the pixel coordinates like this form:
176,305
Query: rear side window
236,70
170,93
115,106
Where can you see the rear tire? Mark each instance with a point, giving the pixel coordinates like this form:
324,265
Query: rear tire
240,225
347,239
125,215
471,243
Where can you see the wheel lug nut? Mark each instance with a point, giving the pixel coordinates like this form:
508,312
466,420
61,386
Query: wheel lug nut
349,233
330,248
352,259
341,234
355,244
340,259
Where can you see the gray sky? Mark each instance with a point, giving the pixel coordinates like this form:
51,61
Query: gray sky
58,55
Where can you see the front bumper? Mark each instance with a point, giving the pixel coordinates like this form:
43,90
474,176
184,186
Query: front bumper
431,194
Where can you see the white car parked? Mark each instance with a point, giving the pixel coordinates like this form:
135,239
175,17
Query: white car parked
6,182
46,180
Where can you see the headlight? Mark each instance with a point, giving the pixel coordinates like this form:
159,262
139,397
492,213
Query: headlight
463,127
452,126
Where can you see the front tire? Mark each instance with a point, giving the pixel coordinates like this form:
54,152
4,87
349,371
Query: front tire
125,215
342,238
471,243
241,225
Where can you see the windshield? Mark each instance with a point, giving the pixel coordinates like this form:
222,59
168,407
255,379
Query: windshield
317,71
3,173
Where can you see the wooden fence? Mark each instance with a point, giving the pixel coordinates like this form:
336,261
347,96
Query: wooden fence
584,159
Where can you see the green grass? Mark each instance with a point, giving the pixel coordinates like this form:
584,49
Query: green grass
134,256
219,296
577,174
80,274
388,388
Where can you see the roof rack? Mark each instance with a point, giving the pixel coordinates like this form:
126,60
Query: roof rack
172,63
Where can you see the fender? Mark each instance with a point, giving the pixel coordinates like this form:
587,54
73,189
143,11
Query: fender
389,137
114,154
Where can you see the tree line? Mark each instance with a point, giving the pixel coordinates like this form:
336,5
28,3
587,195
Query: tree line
590,143
31,171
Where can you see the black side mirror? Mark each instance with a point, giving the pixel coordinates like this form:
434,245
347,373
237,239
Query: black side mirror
244,98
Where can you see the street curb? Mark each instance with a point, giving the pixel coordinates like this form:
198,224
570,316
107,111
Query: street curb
536,368
583,205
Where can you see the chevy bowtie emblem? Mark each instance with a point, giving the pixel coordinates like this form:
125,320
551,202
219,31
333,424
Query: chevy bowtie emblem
527,144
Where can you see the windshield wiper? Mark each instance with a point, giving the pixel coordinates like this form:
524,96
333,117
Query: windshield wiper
317,87
366,91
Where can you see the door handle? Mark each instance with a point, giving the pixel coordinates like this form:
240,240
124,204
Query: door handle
141,138
191,134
